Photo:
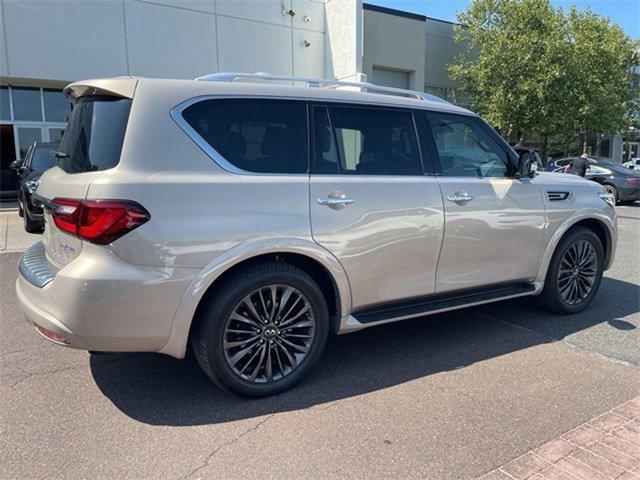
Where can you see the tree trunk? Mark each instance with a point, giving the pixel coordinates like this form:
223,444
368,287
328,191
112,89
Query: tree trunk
545,147
584,143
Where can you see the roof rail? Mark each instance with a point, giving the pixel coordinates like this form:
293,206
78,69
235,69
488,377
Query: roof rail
318,83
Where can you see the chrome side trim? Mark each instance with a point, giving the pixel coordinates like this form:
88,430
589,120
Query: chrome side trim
351,324
556,195
34,266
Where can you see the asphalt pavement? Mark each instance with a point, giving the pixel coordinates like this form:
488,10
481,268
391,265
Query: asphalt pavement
449,396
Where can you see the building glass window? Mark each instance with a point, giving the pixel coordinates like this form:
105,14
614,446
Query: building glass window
5,110
56,107
26,104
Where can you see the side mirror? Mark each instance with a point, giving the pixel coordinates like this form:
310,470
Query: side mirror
16,165
527,165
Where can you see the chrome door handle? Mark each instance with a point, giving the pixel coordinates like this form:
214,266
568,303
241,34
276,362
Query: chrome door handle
335,200
460,197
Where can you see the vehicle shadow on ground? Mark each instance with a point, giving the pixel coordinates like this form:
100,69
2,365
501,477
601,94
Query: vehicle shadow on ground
161,390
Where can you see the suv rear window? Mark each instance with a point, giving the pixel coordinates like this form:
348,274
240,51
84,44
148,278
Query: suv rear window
266,136
93,137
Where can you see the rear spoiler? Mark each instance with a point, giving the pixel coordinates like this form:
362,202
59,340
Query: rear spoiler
115,87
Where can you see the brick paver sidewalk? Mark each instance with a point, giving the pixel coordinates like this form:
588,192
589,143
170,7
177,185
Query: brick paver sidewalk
607,447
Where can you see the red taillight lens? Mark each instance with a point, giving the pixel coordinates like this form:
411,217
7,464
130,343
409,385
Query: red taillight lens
633,180
98,221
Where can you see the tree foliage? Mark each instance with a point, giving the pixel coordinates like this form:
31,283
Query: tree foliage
530,67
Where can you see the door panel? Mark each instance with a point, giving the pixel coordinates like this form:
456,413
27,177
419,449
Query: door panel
496,237
494,223
387,240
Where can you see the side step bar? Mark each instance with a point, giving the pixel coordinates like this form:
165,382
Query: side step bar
435,304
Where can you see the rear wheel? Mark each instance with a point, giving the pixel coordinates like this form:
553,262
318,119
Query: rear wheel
29,225
262,331
574,273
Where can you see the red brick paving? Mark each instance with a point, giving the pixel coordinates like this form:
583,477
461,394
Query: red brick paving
605,448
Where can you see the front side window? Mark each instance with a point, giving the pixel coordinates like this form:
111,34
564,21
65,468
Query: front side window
372,141
264,136
465,149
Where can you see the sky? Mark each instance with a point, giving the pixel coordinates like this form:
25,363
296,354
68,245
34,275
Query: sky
625,13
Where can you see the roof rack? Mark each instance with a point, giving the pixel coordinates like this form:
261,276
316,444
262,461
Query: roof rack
319,83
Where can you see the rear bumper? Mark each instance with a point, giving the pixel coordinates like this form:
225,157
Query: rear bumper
98,302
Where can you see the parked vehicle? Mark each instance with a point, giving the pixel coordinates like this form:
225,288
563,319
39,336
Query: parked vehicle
633,164
39,158
554,165
623,184
252,219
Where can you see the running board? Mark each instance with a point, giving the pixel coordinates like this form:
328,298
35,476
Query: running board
435,304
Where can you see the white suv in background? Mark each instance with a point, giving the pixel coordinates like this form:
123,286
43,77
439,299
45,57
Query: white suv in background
250,220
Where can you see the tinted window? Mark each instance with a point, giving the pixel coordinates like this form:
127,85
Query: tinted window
42,158
94,135
465,149
266,136
5,110
325,153
371,141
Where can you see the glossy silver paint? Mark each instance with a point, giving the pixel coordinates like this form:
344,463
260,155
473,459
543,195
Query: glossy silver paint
379,238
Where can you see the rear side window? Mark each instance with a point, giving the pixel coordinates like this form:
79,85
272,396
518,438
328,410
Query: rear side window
368,141
43,159
264,136
93,137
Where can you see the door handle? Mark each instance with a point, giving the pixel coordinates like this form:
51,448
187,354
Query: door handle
335,200
460,197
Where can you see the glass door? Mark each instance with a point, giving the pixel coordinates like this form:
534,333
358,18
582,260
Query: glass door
55,134
25,136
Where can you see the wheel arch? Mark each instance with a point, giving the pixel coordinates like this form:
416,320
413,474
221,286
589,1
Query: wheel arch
306,255
602,225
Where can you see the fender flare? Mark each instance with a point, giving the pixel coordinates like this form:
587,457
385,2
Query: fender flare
176,344
607,221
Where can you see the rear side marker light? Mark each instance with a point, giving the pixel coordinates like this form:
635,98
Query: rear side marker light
98,221
53,336
633,180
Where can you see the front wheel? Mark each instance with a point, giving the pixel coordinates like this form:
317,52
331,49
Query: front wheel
262,330
612,190
574,273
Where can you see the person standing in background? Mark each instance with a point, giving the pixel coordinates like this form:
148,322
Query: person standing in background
578,166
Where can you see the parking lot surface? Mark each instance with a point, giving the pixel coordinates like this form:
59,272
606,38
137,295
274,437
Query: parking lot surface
450,396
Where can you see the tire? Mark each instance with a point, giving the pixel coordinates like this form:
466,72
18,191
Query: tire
29,225
553,297
20,209
215,330
612,190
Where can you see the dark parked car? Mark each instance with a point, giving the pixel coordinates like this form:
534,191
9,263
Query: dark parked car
623,183
554,165
38,159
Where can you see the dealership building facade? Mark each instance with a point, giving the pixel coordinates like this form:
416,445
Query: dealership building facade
45,45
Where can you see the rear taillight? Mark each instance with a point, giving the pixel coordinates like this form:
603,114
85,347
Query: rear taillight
97,221
633,180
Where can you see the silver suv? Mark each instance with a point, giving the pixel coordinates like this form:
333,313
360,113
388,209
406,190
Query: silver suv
251,219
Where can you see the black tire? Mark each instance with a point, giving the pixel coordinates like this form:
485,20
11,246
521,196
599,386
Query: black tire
20,209
612,190
551,296
208,332
31,226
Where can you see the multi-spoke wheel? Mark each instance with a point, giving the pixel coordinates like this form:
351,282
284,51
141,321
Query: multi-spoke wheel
269,333
574,272
262,330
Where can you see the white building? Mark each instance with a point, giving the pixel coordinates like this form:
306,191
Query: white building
45,44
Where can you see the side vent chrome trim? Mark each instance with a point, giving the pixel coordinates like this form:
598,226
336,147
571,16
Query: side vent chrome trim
35,267
554,196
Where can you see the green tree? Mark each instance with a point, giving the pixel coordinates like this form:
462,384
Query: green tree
532,68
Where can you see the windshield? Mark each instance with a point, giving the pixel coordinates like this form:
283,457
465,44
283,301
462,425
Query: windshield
94,135
43,158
